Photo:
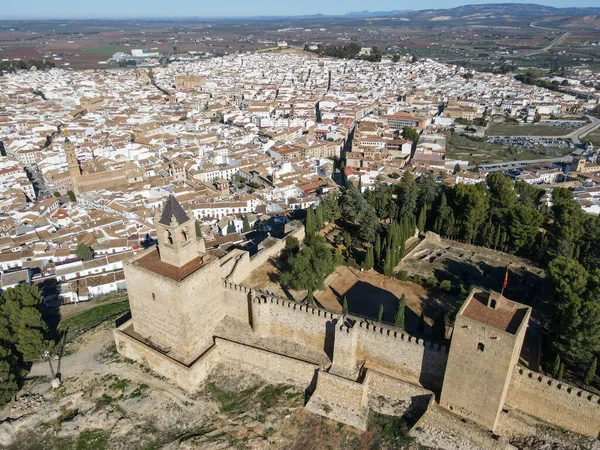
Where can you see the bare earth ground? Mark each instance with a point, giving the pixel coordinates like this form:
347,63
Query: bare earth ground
366,291
106,401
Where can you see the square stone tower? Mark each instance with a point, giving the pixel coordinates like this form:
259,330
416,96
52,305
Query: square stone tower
486,344
175,289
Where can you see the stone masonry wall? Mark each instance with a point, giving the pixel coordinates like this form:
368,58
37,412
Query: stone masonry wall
275,368
555,402
392,352
293,321
241,269
189,378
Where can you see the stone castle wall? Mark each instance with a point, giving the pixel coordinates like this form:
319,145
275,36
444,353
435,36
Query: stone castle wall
288,320
273,367
554,401
390,351
188,377
237,269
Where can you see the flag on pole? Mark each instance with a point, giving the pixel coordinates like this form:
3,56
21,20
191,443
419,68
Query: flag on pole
505,280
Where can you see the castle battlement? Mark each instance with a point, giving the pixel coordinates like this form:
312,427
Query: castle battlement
191,306
403,336
565,388
295,306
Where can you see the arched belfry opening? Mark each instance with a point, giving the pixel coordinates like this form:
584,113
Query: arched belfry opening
177,241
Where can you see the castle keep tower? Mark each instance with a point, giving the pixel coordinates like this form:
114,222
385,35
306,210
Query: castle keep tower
486,344
175,289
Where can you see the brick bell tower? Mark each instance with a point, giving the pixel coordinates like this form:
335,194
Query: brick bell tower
175,289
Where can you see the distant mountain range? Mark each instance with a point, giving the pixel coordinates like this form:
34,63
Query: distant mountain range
485,11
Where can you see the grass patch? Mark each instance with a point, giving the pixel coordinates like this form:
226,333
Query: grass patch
507,129
390,431
477,151
231,402
270,395
94,317
92,440
138,391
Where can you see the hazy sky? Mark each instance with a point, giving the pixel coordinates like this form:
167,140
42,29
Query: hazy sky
10,9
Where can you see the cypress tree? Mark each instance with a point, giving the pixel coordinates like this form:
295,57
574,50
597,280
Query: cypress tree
230,228
198,229
591,373
402,253
497,237
400,317
439,326
422,219
345,306
561,370
246,226
319,220
380,314
555,366
421,324
310,222
309,298
378,248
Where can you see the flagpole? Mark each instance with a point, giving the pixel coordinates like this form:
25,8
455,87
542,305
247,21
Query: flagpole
504,283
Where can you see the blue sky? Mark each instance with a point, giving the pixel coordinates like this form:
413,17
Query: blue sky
10,9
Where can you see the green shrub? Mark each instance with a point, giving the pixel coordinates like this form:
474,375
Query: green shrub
446,285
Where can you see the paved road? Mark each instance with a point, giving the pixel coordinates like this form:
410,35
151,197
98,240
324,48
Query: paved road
579,133
549,46
494,167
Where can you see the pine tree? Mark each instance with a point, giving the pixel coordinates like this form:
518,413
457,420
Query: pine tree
345,306
309,298
561,370
591,373
400,317
378,249
380,314
246,226
555,366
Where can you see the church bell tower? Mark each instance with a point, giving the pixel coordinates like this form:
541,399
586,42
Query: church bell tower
177,241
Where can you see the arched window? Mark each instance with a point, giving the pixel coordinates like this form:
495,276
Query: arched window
184,236
169,238
480,347
493,304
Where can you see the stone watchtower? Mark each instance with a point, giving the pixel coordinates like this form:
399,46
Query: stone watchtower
486,344
175,289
